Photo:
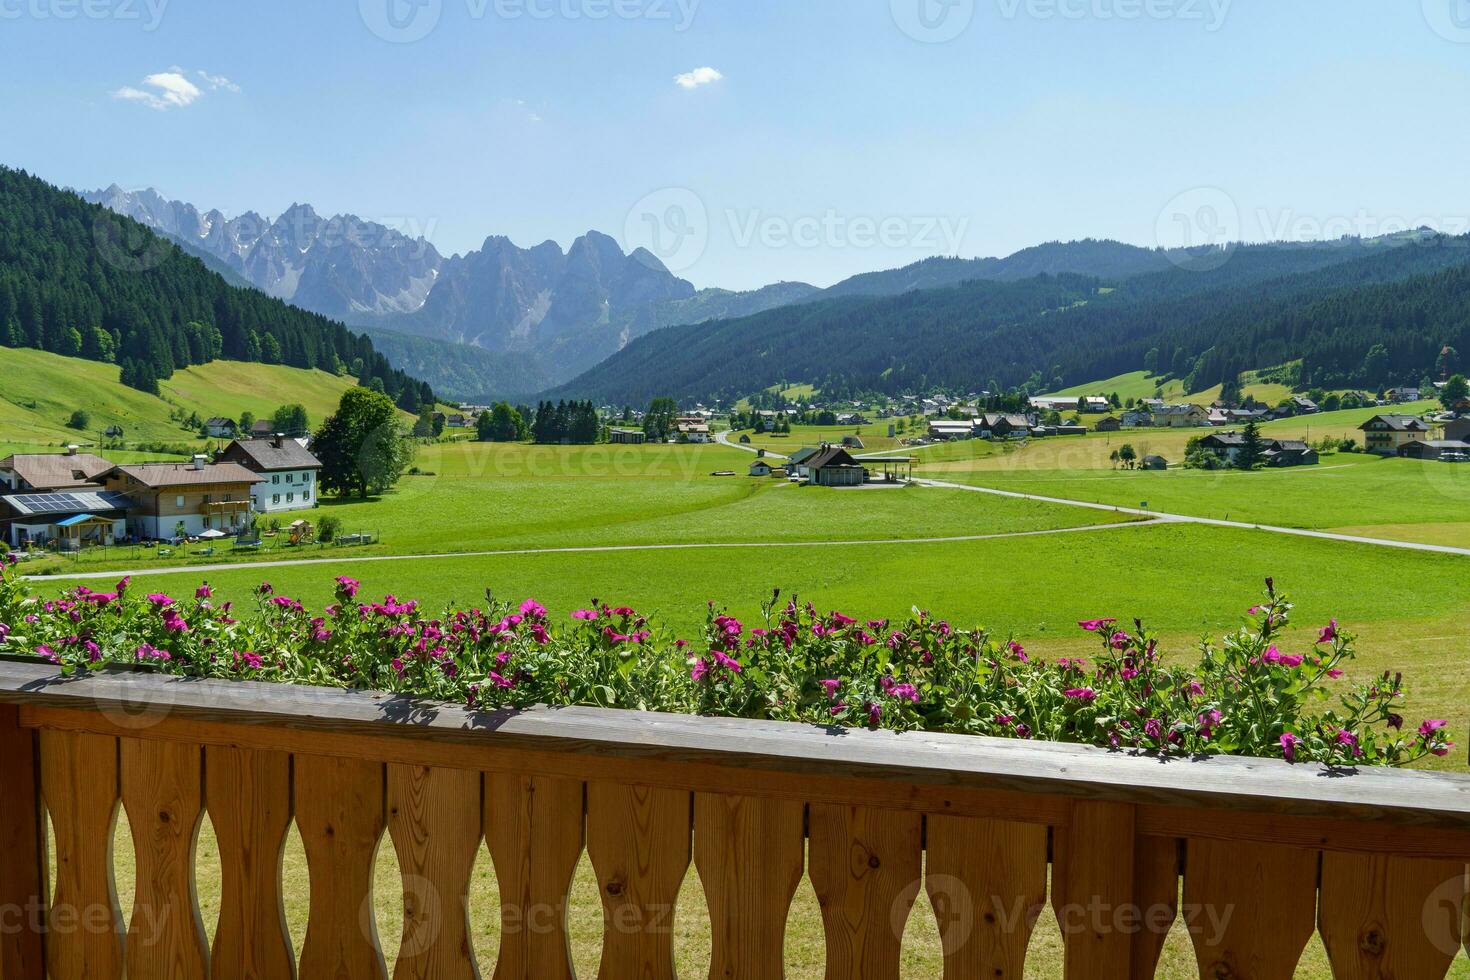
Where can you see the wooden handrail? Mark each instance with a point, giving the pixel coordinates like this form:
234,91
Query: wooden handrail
649,794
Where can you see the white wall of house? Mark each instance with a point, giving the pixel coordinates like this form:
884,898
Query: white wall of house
285,490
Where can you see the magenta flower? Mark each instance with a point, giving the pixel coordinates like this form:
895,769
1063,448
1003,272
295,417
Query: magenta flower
831,686
699,671
348,587
586,615
533,609
1096,625
203,592
1120,640
1289,742
159,599
1427,729
1083,694
1329,633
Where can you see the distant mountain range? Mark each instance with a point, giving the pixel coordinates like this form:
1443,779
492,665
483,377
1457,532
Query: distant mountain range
1347,313
538,317
542,315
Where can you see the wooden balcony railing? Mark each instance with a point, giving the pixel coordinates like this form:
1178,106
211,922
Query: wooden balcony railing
1375,861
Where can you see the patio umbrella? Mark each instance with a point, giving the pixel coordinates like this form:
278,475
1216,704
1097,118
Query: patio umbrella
211,535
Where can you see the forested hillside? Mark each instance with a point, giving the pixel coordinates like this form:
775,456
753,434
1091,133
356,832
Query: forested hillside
1364,313
81,281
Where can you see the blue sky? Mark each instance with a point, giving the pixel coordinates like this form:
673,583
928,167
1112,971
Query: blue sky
831,136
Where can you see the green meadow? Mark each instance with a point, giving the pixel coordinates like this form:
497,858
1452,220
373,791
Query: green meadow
1344,491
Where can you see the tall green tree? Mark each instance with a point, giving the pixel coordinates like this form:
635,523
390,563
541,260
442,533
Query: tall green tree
1454,389
363,447
501,424
1252,450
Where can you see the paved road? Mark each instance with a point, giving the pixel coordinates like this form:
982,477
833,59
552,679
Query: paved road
590,549
723,438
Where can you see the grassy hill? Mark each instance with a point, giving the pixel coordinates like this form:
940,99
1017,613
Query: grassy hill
41,391
1140,384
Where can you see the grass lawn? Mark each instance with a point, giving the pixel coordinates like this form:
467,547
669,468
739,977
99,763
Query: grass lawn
42,390
1140,384
484,496
1353,492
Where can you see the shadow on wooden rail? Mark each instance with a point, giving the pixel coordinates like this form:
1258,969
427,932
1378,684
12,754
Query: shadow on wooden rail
1252,856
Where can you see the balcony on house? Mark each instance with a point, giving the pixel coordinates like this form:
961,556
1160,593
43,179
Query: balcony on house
1115,848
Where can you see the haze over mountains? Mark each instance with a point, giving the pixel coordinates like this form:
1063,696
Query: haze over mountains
1354,312
543,315
535,317
595,321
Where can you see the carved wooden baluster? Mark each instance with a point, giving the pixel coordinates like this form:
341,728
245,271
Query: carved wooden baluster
434,818
248,796
339,812
22,850
1252,907
1156,892
638,840
986,880
865,865
1383,916
163,791
79,783
534,831
749,853
1092,879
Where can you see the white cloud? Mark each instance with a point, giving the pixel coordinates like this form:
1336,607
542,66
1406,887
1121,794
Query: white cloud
218,82
173,89
697,77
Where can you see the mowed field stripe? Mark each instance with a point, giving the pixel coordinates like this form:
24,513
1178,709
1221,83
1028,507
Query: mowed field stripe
588,549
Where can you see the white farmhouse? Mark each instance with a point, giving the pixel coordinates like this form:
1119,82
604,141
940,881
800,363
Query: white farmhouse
288,471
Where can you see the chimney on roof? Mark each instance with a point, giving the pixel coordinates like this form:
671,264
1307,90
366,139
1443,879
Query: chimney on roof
71,450
198,462
279,441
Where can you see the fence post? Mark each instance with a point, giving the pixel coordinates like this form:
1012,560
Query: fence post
22,852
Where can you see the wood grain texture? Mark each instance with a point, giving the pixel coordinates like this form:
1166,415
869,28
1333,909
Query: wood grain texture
435,820
340,815
638,840
927,763
865,866
534,830
750,854
1252,907
986,881
79,783
248,797
1156,862
163,791
23,880
1092,884
1384,918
